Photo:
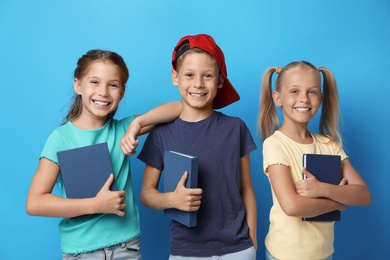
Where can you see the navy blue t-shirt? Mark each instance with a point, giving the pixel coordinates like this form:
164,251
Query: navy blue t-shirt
219,142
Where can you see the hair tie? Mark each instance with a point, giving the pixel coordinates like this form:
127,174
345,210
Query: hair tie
278,70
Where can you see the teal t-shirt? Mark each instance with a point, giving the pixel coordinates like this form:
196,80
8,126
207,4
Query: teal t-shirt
88,233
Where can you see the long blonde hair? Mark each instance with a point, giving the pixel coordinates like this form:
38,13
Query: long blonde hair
268,121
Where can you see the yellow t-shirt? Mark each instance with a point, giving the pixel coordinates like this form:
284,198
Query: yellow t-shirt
290,237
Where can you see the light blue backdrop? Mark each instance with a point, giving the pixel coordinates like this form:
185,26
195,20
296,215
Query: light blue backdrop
40,42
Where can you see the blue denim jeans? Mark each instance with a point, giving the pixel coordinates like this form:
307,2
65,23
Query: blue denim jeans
247,254
122,251
268,256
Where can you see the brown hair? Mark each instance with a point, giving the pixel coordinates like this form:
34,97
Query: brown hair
82,68
185,46
329,122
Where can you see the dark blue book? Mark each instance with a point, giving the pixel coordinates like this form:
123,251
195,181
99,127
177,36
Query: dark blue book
84,170
175,164
326,168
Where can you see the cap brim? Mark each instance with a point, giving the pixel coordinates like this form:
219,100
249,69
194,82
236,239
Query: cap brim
225,95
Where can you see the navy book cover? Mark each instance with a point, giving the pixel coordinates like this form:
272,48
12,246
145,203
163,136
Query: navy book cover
175,164
326,168
84,170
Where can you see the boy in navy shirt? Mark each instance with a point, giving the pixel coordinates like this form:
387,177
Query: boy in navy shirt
225,200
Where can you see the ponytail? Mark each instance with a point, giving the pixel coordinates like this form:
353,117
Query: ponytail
330,115
268,120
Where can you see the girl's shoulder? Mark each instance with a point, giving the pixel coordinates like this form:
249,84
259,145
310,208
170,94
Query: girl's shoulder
329,143
124,122
63,129
324,139
276,136
276,141
320,137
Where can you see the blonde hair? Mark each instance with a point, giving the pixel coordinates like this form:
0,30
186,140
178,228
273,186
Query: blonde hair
268,121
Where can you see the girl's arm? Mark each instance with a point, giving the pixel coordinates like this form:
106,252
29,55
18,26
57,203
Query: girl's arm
354,193
248,196
182,198
291,202
143,123
41,202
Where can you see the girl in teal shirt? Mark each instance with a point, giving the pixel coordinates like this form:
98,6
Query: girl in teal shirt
109,227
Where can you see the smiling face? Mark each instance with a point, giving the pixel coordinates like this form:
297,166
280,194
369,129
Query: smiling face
299,95
101,90
198,79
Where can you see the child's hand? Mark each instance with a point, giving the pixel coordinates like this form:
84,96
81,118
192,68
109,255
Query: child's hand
343,182
187,199
309,187
110,202
129,141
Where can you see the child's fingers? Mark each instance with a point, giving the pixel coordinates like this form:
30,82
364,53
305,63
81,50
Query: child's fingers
307,173
344,181
128,147
108,183
183,179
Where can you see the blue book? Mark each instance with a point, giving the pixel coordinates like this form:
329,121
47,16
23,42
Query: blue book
326,168
84,170
175,164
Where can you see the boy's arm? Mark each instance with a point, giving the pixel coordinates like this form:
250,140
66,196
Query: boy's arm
143,123
160,114
182,198
291,202
354,193
248,196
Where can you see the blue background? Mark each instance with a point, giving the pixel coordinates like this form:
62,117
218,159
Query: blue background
40,42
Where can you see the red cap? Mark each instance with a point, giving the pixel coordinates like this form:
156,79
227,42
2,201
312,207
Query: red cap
225,95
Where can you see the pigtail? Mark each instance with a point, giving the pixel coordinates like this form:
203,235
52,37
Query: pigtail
330,115
75,109
267,120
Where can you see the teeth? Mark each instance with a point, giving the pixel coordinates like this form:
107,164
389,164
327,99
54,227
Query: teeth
302,109
101,103
197,95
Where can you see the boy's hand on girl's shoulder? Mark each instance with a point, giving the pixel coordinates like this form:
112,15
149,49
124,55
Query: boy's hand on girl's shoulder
129,141
110,202
187,199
